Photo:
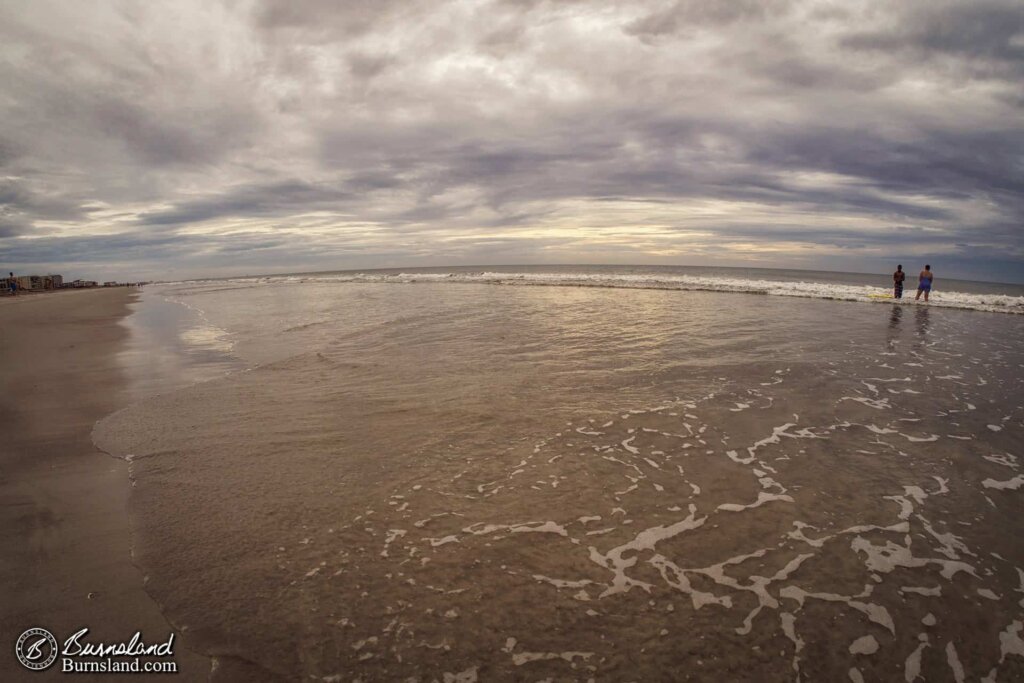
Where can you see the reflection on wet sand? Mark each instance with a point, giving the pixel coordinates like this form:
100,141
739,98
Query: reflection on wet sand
895,318
171,347
922,322
539,484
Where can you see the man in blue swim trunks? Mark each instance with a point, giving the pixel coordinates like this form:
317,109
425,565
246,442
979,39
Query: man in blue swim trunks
13,285
924,283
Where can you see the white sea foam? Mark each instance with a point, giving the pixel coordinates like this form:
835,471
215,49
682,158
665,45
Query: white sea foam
1012,484
865,645
527,657
954,663
912,667
999,303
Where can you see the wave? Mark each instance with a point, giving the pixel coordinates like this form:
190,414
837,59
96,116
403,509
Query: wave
996,303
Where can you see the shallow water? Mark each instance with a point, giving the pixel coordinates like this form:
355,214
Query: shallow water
428,480
811,284
172,346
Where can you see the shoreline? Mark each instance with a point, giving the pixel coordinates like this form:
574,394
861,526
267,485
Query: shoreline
68,563
526,482
1007,304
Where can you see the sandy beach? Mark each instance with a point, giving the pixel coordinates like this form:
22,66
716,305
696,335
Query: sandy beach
438,481
512,340
66,563
346,480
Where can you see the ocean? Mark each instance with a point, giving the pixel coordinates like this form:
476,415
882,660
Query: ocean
579,473
986,296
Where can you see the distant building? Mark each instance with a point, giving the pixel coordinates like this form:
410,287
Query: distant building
40,283
110,284
83,283
36,283
28,283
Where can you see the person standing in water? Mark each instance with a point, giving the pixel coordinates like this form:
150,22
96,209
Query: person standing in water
897,282
924,283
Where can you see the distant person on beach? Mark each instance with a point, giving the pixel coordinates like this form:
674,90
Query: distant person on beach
13,285
924,283
897,282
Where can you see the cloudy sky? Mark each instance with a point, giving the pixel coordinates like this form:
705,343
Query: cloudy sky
179,139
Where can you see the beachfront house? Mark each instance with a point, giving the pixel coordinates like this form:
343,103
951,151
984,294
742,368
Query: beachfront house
36,283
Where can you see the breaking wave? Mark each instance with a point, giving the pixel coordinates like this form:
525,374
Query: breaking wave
996,303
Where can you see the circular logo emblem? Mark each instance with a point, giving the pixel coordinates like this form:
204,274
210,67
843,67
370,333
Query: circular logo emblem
36,649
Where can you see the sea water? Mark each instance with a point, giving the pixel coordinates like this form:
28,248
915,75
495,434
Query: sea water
987,296
436,475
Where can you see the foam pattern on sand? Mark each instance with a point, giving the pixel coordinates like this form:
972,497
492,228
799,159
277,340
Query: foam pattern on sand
663,544
857,519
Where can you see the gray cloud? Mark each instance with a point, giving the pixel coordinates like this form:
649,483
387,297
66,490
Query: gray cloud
686,15
986,34
308,133
273,199
325,19
11,228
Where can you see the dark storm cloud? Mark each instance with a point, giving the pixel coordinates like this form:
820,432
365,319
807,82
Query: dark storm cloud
11,228
593,164
100,248
274,199
77,102
167,137
894,236
148,248
456,130
987,34
19,198
940,162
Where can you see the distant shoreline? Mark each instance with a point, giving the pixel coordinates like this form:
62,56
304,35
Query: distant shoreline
947,293
541,267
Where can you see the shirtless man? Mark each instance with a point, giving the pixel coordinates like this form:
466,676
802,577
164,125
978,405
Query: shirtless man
924,283
897,282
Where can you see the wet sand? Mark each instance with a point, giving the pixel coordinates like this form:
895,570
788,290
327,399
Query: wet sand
506,483
66,561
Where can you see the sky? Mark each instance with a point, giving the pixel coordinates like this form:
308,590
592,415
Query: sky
145,140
